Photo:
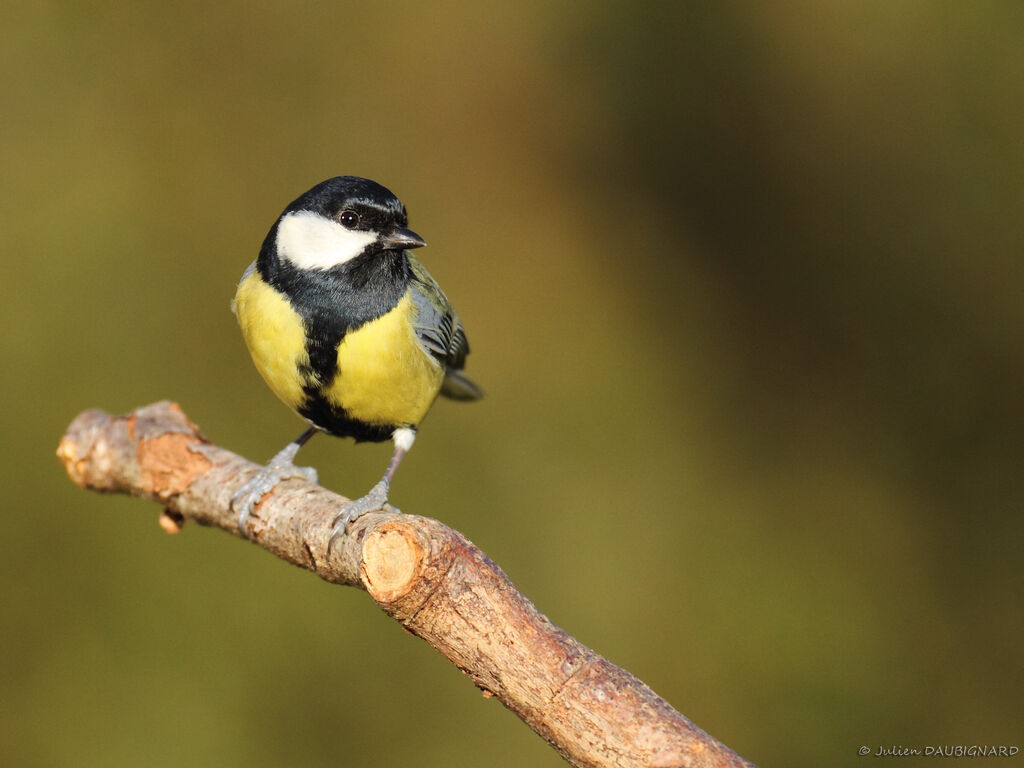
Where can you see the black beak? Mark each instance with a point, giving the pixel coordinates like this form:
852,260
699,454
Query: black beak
400,239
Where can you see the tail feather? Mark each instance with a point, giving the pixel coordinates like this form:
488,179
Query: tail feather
458,386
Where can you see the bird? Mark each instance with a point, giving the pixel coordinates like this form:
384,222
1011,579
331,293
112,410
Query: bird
349,330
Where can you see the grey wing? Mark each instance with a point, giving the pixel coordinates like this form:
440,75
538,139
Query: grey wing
441,334
437,326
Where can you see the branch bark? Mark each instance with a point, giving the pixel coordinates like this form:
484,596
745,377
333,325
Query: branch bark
426,576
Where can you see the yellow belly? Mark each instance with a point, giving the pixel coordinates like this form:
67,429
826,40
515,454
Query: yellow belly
384,376
275,336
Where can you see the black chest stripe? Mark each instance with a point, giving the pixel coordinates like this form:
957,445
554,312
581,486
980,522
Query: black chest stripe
340,424
336,301
332,303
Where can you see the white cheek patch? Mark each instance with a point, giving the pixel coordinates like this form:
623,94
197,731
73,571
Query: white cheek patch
310,241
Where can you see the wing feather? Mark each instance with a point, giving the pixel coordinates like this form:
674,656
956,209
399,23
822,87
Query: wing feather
440,333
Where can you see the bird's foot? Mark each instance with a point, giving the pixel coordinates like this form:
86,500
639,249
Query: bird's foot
371,502
278,468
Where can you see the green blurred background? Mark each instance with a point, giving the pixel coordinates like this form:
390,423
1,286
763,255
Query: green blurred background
744,287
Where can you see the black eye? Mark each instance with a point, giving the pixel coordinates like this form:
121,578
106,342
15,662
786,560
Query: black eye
349,219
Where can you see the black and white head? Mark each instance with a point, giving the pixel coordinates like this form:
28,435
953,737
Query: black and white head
338,220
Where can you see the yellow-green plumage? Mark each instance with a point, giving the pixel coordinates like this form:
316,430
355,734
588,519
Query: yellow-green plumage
274,333
384,375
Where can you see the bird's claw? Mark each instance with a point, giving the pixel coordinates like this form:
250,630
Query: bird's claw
263,482
353,510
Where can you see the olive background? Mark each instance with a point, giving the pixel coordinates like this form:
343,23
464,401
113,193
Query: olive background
743,284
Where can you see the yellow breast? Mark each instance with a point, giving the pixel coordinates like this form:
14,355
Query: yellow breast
275,336
384,376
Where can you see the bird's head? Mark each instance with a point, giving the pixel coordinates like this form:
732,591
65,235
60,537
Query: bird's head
339,220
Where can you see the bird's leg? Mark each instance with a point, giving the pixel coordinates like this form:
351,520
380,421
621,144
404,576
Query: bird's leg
378,495
278,468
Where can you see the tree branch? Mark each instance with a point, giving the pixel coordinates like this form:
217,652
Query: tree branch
426,576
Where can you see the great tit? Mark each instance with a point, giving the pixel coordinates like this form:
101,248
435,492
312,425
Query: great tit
348,329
